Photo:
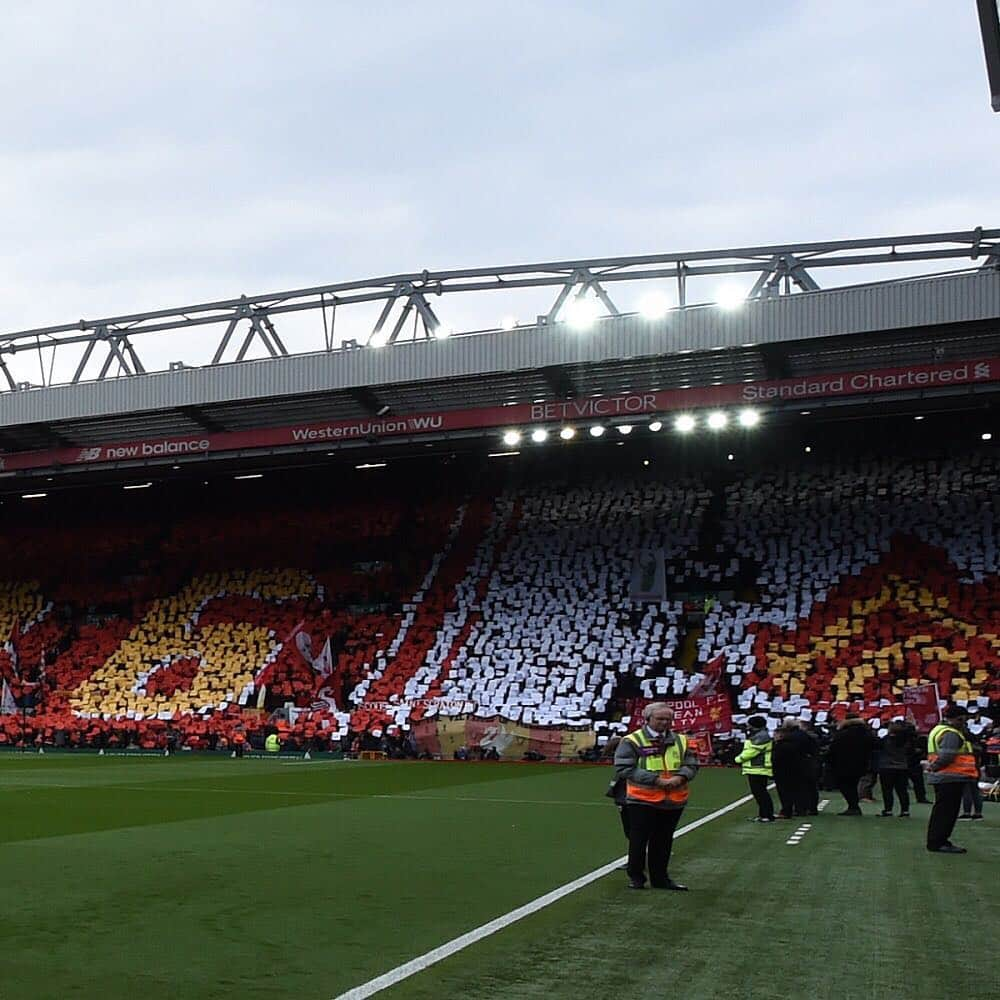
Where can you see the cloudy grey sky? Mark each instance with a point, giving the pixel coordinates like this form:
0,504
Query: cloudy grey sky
161,153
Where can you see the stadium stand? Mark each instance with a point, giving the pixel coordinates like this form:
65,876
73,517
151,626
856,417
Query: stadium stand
849,581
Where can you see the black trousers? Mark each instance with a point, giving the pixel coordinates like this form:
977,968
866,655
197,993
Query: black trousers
758,788
866,785
895,782
650,841
623,812
848,785
810,787
947,803
789,792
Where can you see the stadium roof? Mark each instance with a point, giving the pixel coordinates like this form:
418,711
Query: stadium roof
929,326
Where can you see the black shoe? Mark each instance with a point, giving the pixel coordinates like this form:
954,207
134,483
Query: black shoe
965,816
633,884
885,812
851,812
976,816
947,849
904,815
671,884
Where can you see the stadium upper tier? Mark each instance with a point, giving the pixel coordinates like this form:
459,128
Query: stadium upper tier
796,589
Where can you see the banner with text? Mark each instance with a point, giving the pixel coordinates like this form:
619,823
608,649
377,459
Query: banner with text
511,740
712,714
633,404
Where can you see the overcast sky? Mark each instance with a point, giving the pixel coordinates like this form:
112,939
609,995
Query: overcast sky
161,153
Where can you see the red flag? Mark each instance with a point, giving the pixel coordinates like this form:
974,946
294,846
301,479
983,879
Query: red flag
709,682
922,708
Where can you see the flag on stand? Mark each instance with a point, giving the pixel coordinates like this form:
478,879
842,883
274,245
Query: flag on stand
10,646
711,676
323,664
7,704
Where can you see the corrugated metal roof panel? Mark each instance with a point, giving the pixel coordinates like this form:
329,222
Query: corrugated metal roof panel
608,351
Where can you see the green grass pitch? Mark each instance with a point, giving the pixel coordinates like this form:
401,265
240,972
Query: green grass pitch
214,878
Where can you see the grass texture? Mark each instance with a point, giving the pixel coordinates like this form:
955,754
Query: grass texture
215,878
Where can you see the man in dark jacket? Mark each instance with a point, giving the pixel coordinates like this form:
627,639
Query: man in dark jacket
657,766
918,750
850,757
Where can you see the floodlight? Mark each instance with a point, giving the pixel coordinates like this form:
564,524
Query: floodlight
581,313
749,418
624,429
730,297
717,421
685,423
511,438
656,425
654,305
596,431
568,433
539,435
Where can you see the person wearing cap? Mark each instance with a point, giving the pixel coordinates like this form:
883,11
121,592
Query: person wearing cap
755,759
657,766
950,766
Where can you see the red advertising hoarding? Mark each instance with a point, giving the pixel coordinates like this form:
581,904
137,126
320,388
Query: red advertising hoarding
633,404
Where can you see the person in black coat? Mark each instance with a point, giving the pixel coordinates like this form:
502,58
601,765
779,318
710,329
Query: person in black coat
789,758
894,755
850,757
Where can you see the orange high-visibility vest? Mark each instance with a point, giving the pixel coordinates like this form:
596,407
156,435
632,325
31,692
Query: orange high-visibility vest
963,764
665,764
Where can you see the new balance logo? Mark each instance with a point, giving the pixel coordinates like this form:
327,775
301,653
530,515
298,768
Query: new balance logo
89,455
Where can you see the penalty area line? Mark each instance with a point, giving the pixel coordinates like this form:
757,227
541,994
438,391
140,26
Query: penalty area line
435,955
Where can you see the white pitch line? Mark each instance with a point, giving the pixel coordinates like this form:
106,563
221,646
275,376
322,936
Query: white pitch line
435,955
797,836
314,763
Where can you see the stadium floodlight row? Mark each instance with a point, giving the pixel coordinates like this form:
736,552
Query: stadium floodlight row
684,423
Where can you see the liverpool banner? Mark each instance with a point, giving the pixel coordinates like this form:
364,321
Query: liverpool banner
711,714
442,737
